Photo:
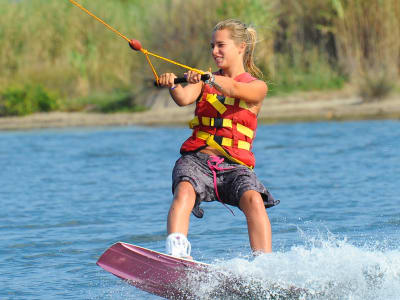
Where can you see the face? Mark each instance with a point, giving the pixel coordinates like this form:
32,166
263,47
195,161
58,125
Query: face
224,50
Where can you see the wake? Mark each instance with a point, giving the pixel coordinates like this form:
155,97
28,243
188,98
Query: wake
322,269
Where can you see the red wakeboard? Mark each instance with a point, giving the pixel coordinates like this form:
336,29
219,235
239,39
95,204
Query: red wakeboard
151,271
177,278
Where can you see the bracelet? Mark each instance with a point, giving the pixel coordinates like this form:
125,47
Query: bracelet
211,81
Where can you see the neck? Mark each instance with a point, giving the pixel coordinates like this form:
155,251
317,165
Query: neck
233,71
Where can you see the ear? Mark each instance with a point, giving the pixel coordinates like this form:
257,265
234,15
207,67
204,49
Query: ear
242,47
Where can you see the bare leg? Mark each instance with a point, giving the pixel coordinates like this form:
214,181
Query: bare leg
181,207
259,227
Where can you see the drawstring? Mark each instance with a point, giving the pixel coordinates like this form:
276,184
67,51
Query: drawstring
215,167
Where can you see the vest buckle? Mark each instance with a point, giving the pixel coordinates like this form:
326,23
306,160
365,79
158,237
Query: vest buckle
218,122
218,139
221,98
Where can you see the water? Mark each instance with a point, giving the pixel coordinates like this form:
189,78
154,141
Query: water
66,195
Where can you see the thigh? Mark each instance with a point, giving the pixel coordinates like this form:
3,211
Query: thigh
242,179
192,169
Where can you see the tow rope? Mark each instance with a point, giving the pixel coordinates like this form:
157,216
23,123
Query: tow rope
136,45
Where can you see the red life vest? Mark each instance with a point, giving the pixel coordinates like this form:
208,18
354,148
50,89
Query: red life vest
225,124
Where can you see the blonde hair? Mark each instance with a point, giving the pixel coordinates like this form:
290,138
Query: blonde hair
240,32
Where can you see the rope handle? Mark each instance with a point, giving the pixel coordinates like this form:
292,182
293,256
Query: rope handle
204,77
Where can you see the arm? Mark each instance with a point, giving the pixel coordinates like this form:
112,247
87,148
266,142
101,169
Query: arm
181,95
253,92
185,95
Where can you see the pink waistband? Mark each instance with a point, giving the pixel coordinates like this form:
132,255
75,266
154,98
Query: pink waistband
214,168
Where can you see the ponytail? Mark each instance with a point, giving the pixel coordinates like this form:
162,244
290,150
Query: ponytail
248,58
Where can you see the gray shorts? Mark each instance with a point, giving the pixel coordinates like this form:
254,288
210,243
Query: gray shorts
232,182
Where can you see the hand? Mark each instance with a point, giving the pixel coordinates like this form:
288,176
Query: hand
192,77
167,79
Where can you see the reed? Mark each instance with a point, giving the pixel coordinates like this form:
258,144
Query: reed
303,48
303,45
186,28
367,38
53,43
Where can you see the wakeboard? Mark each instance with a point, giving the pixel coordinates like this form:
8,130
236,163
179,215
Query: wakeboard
149,270
176,278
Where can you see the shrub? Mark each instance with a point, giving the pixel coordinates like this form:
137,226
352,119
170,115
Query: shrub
46,100
374,86
116,101
14,102
20,101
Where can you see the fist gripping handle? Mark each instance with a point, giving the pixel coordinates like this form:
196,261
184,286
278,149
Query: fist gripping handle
204,77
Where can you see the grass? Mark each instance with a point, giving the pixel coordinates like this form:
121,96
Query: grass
306,73
306,45
367,34
118,101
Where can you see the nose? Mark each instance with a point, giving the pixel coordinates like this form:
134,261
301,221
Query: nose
214,50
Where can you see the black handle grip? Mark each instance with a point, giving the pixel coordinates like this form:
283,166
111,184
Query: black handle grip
204,77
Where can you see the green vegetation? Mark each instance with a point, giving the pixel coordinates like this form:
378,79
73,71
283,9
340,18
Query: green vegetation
368,46
50,45
20,101
117,101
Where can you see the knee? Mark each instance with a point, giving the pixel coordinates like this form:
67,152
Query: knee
251,202
184,191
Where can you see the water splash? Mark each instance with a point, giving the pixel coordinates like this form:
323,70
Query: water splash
323,268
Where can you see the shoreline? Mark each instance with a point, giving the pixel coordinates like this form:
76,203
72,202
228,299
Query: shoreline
300,107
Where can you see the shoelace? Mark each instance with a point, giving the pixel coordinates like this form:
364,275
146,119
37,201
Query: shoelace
214,168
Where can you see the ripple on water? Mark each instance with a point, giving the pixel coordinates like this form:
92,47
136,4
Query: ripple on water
69,194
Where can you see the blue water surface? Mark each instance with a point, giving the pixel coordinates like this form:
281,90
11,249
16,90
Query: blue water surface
68,194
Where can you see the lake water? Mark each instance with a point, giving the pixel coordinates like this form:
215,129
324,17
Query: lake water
68,194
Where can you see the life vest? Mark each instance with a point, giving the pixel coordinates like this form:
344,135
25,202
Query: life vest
225,124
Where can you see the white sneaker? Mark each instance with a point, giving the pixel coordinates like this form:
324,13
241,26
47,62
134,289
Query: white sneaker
178,245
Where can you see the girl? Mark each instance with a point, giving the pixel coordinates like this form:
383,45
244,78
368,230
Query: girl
216,161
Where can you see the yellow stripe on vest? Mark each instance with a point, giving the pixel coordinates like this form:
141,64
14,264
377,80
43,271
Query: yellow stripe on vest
209,138
245,130
213,100
243,104
243,145
227,142
207,121
227,123
194,122
229,101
